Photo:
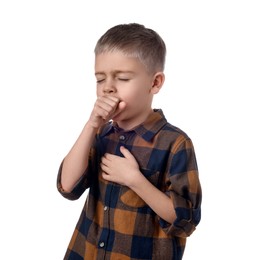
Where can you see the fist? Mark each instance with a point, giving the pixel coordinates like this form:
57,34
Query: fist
105,108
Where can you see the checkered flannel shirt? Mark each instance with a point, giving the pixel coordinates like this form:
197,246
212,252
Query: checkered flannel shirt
115,222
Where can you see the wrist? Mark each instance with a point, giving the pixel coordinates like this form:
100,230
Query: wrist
137,181
92,125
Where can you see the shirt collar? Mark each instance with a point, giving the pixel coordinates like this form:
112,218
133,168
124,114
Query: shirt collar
147,130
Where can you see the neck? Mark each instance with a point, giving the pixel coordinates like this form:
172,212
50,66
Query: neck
129,124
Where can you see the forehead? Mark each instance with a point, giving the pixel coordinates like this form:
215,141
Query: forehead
117,61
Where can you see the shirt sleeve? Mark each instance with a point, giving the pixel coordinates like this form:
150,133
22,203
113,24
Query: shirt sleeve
78,189
83,183
183,187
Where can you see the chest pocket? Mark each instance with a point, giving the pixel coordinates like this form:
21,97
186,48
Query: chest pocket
130,198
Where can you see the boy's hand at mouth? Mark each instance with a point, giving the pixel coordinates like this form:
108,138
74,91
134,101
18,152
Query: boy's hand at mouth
105,108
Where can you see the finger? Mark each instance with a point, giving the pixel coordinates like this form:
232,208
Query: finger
109,157
105,108
111,98
106,157
105,165
106,176
109,101
104,168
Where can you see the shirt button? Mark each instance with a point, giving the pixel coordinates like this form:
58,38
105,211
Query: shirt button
105,208
101,244
121,137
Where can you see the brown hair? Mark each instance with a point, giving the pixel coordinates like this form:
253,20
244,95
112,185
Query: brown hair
137,41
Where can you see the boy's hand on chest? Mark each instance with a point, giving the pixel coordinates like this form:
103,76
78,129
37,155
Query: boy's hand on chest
121,170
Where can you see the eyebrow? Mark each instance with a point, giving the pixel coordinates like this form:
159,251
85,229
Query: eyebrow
115,72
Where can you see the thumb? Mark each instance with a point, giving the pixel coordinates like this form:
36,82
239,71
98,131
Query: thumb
126,153
121,106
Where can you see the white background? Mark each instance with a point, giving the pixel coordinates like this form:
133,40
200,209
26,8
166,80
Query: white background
47,89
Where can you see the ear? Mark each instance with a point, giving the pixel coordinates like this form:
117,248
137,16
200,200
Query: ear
158,80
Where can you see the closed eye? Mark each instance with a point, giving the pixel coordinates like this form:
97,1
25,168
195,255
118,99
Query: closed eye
100,80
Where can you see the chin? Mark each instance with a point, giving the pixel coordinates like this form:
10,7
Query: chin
120,117
117,118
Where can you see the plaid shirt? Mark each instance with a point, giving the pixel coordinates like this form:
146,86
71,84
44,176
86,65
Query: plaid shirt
115,223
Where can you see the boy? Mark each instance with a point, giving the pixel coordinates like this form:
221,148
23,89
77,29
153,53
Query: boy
144,192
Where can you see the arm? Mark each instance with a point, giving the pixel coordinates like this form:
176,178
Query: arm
76,161
180,205
159,202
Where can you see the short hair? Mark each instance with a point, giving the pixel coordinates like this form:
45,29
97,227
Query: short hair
135,40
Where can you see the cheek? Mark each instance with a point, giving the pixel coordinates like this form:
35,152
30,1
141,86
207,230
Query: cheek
98,92
133,95
133,102
130,100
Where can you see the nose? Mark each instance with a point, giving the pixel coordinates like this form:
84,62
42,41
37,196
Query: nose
109,87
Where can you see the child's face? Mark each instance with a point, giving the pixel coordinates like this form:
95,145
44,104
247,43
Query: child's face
127,79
